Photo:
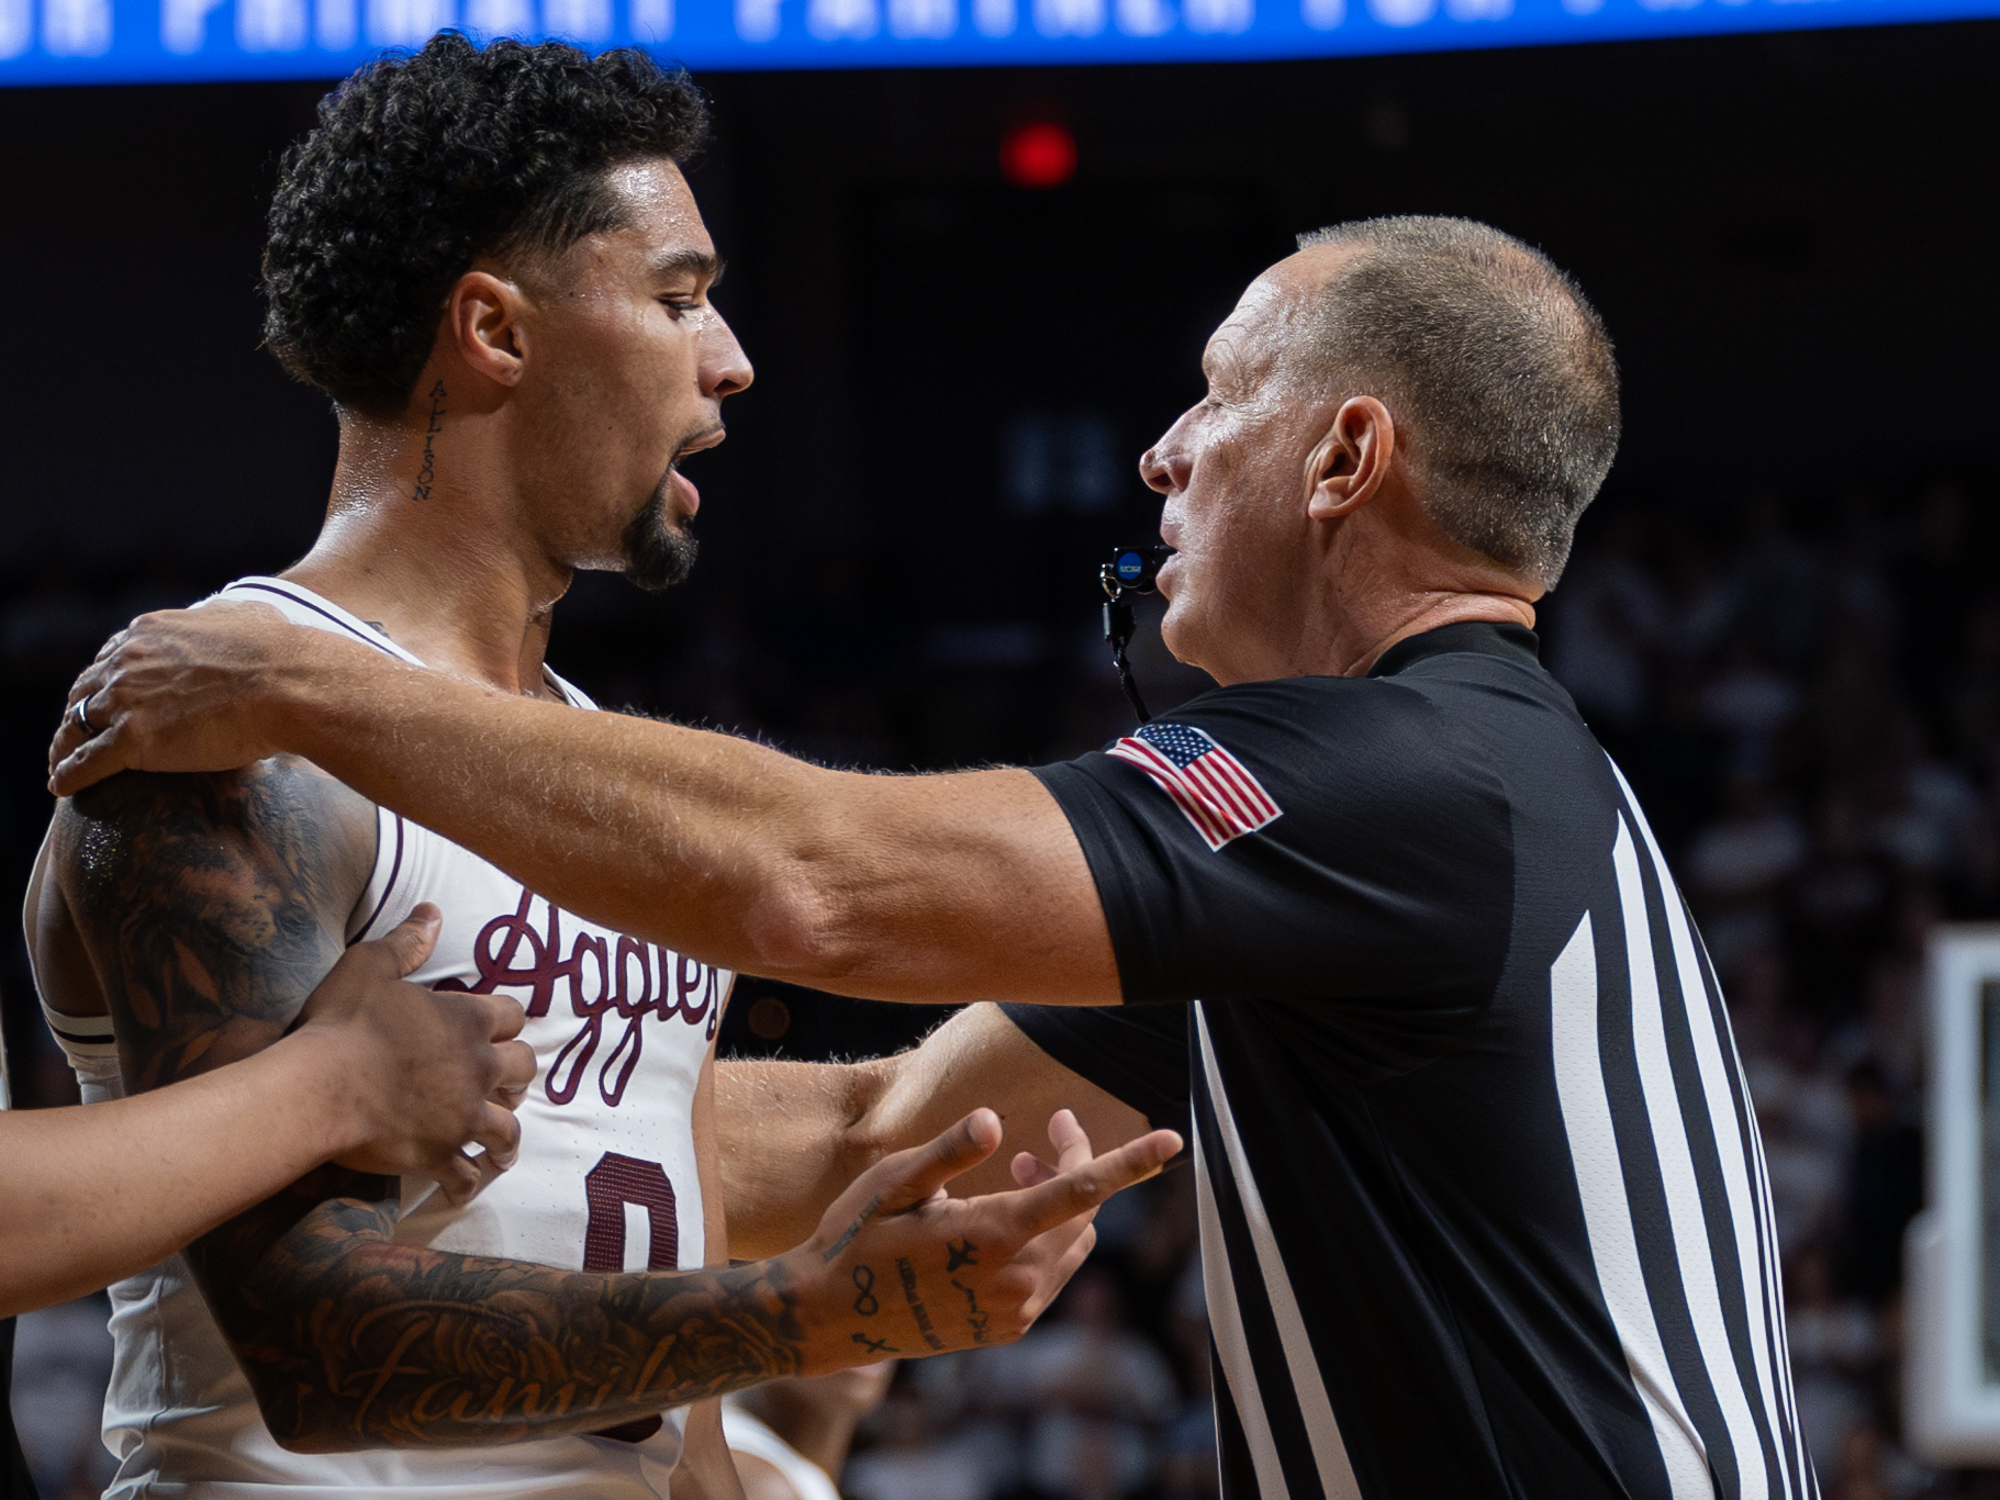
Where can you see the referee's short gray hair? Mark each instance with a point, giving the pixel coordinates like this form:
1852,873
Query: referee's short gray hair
1497,368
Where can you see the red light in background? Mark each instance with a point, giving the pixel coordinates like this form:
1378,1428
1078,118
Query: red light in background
1039,155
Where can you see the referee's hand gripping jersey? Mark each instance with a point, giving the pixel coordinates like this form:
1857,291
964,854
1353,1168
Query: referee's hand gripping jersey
1482,1206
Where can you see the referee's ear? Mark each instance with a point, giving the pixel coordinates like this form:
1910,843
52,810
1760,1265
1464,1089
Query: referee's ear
1347,467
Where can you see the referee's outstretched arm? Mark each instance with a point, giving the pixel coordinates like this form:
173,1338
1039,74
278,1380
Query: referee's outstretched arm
952,887
957,887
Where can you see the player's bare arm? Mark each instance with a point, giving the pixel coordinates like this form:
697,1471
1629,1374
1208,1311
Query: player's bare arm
212,905
794,1134
379,1072
932,888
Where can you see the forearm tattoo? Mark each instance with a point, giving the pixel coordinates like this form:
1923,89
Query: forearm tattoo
352,1340
213,906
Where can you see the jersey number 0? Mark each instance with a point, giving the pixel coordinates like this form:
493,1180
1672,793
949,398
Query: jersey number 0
614,1182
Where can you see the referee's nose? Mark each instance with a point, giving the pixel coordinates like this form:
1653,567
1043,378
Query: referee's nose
1164,468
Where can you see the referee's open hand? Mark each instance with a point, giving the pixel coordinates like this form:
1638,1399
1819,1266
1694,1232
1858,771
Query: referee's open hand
897,1267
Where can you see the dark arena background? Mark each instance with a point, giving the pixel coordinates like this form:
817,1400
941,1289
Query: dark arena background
1783,615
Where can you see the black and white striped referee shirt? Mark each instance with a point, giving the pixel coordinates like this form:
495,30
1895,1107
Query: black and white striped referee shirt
1483,1206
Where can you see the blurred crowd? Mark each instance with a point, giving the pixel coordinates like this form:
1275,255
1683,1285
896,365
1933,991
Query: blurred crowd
1805,693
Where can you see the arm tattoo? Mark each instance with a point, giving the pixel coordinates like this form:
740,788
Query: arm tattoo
352,1340
213,906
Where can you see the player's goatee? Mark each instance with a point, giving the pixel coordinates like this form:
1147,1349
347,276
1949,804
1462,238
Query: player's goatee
658,554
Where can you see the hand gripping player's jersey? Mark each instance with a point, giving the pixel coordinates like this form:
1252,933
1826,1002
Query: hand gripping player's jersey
606,1178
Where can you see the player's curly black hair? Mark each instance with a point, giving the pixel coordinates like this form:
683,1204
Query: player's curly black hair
421,163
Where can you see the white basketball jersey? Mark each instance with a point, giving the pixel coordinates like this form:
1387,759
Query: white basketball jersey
747,1434
606,1178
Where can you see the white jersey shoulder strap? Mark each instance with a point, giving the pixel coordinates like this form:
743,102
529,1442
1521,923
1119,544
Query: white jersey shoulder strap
303,607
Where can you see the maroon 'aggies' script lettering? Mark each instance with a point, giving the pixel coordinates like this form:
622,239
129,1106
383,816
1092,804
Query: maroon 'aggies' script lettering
633,981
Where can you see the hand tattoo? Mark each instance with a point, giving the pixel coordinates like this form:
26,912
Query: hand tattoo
875,1346
975,1318
832,1252
964,1253
867,1304
907,1273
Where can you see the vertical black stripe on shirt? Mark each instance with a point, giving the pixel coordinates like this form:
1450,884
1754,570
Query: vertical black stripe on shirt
1752,1316
1260,1328
1718,1219
1798,1466
1710,1068
1645,1186
1234,1466
1658,1452
1769,1298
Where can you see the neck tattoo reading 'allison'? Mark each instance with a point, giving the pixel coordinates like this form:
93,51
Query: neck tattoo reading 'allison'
427,475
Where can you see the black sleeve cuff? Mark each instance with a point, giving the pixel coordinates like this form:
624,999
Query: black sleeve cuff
1137,1054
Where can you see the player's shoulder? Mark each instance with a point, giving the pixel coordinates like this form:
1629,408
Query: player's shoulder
279,824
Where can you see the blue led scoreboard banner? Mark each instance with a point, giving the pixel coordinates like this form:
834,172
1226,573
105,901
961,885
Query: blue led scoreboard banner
143,41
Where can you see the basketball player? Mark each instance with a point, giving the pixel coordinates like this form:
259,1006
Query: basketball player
492,264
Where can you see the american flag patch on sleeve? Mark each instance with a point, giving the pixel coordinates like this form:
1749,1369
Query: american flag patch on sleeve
1213,789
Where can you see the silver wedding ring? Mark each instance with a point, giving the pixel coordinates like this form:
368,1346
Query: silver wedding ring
90,730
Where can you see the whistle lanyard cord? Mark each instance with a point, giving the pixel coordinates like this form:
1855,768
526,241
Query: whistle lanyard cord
1131,688
1118,626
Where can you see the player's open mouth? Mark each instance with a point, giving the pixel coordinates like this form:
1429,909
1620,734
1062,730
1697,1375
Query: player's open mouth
686,494
683,487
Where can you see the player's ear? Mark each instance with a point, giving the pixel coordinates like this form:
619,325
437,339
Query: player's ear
1346,467
482,324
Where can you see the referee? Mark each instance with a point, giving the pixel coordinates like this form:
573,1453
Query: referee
1483,1208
